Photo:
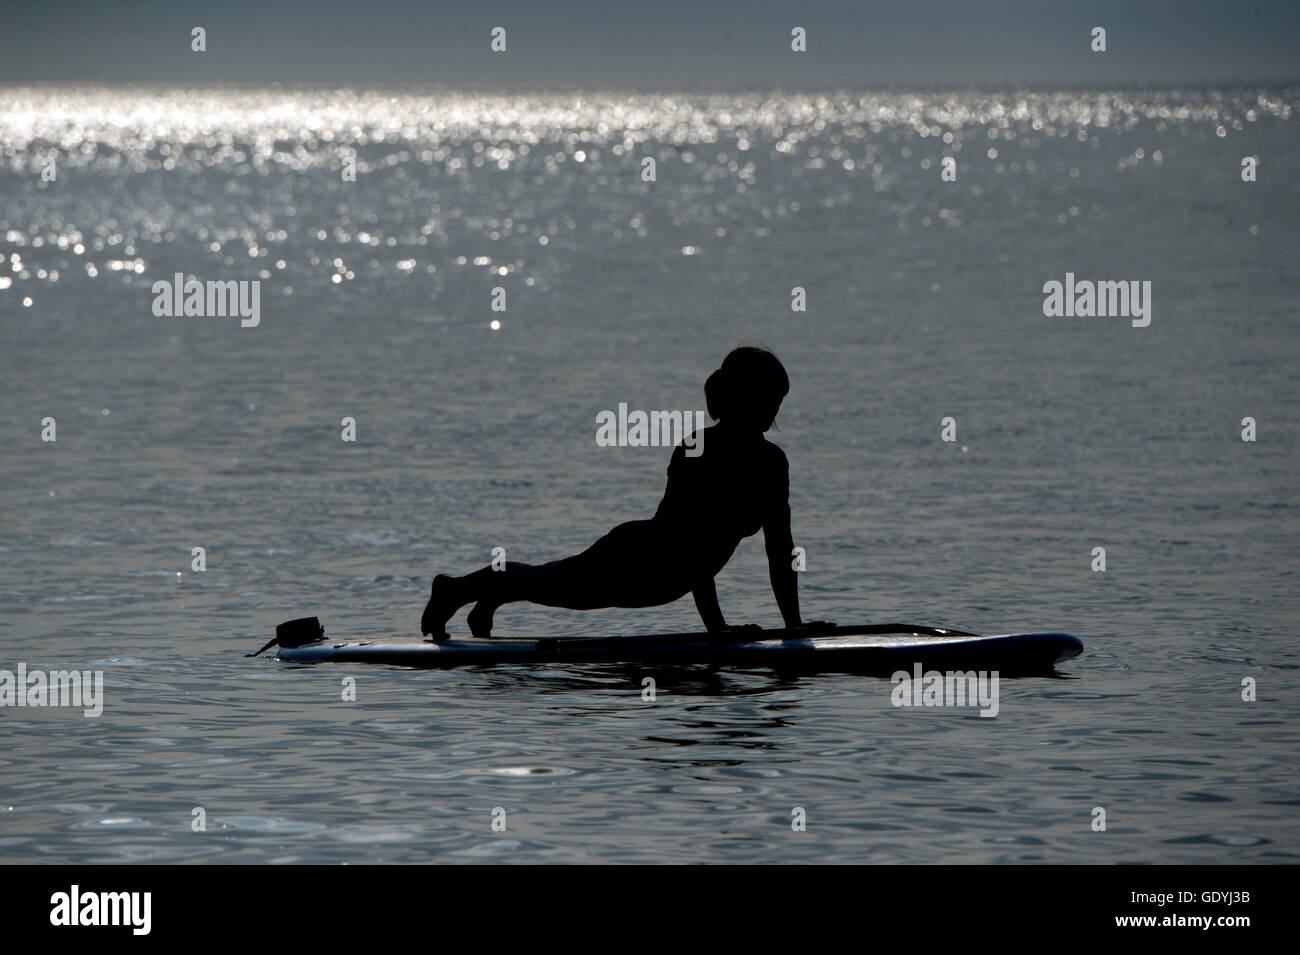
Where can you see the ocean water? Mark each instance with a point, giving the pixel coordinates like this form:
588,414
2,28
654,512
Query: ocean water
925,302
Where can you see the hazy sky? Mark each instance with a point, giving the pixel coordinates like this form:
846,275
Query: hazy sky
652,43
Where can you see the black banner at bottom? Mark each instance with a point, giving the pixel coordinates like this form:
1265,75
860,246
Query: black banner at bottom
216,904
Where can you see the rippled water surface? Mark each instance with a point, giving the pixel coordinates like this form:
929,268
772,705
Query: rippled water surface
925,302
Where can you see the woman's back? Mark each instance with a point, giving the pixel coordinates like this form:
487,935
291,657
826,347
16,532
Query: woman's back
738,484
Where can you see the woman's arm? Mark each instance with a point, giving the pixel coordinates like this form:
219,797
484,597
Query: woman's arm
785,579
706,602
779,543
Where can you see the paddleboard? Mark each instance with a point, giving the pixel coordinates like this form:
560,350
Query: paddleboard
869,649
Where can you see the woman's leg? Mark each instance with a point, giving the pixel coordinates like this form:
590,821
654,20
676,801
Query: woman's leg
628,567
557,584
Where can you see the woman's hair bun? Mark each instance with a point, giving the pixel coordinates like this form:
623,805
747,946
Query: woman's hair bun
749,385
714,389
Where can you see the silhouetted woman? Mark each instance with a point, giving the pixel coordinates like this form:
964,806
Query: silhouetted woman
737,485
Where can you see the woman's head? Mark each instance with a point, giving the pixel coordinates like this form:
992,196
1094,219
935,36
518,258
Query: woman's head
746,391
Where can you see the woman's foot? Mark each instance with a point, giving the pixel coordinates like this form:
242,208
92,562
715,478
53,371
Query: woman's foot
480,619
442,604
